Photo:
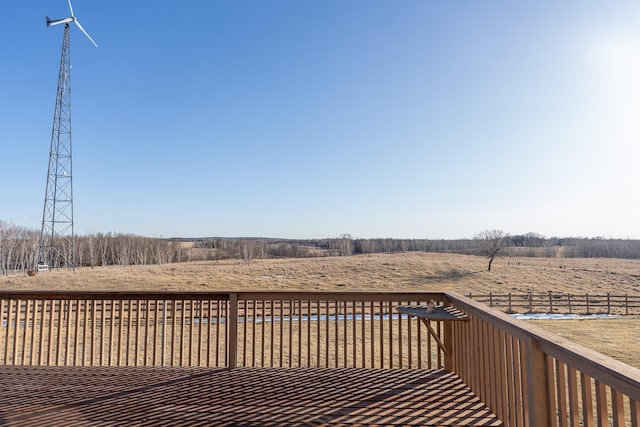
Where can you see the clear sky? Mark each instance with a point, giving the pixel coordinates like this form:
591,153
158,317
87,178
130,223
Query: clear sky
309,119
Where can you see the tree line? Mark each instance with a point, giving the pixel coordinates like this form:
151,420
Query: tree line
19,248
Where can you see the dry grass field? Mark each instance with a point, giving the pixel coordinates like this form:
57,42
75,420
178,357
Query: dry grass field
618,338
405,271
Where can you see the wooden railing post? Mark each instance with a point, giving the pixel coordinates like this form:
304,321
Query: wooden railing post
537,396
164,331
232,318
448,344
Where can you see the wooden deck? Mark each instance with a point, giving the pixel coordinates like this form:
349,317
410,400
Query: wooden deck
39,396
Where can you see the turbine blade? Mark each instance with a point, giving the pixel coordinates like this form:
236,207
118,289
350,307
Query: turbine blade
71,9
85,33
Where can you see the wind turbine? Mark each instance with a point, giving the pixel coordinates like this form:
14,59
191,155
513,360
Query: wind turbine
66,21
57,247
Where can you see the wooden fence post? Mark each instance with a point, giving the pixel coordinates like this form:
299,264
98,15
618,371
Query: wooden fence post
550,303
626,304
569,301
608,303
586,297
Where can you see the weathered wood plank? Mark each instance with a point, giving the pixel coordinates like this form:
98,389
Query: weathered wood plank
243,396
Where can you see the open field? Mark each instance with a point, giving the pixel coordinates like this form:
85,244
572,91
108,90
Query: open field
406,271
617,338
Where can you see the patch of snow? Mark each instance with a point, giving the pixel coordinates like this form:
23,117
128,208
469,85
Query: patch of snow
558,316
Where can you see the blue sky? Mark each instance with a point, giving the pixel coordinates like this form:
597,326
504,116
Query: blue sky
308,119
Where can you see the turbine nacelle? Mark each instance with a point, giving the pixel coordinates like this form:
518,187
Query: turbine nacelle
51,22
73,19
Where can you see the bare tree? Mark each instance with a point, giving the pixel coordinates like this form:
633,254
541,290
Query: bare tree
346,244
247,249
263,248
18,248
92,250
342,246
490,243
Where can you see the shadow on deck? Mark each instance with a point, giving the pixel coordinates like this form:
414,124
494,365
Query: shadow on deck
38,396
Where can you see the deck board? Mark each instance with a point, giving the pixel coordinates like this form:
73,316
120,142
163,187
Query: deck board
129,396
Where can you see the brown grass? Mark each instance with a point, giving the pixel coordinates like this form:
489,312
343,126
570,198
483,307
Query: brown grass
406,271
616,338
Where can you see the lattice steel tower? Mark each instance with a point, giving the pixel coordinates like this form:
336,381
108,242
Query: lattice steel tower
57,246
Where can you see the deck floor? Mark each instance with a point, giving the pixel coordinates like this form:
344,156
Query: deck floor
126,396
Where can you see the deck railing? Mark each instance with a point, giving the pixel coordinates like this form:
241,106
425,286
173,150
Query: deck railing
530,377
527,376
114,329
275,329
